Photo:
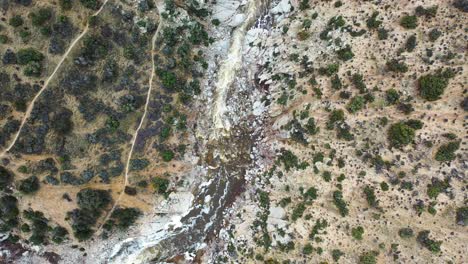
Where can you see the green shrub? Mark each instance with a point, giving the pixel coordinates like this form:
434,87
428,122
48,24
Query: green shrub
125,217
382,34
356,104
446,152
430,244
409,22
336,254
358,81
357,232
59,234
335,116
5,178
40,17
3,39
66,4
336,82
16,21
167,155
414,124
345,54
429,12
370,196
33,69
373,22
93,199
28,55
298,211
436,187
405,232
160,185
29,185
392,96
340,203
329,70
462,216
434,34
91,4
308,249
368,258
400,134
432,86
397,66
410,43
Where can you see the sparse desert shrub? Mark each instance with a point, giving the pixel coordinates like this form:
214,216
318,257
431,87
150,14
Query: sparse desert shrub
167,155
428,12
59,234
436,187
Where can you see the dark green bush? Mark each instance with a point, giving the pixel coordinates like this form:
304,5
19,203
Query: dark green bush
125,217
160,185
436,187
409,22
434,34
66,4
340,203
357,232
370,196
432,86
28,55
446,152
400,134
40,17
430,244
345,54
462,216
397,66
29,185
382,34
356,104
91,4
392,96
167,155
92,199
405,232
373,22
368,258
358,81
428,12
410,43
59,234
16,21
329,70
5,178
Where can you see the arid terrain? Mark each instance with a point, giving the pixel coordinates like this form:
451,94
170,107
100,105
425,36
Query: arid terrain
233,131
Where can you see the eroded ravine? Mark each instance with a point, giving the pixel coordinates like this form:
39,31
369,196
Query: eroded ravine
233,143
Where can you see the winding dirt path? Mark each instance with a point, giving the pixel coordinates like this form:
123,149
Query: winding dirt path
46,83
135,136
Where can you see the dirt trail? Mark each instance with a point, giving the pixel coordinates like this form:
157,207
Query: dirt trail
135,136
47,81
